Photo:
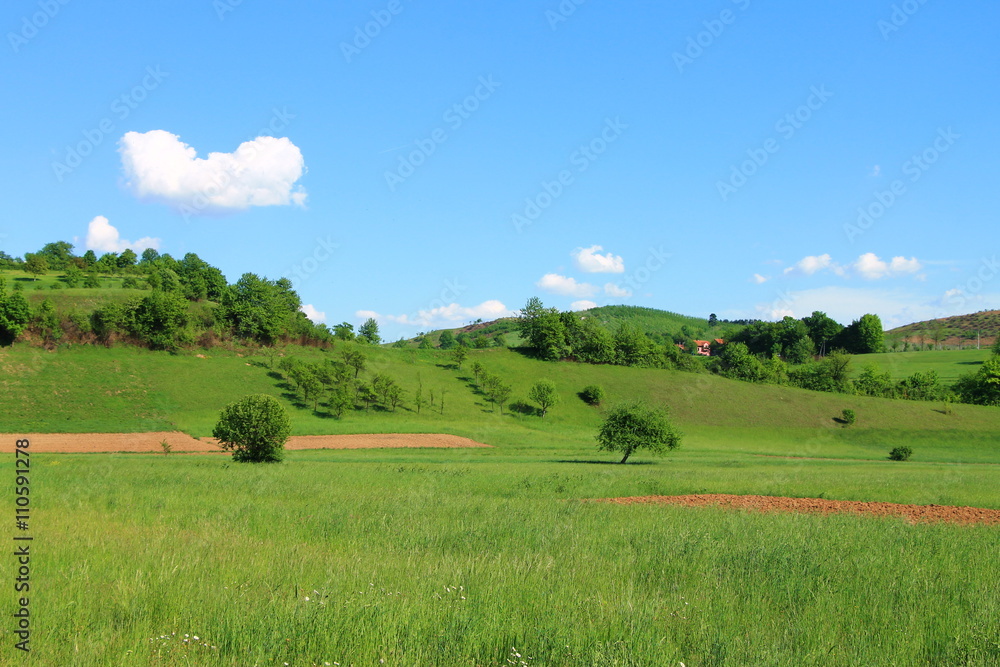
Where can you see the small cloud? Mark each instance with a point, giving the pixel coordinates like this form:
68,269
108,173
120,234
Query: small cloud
158,166
556,284
589,260
759,279
870,267
314,315
876,171
617,291
807,266
582,305
445,315
103,237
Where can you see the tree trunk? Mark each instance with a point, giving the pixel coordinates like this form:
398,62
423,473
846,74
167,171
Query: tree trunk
625,458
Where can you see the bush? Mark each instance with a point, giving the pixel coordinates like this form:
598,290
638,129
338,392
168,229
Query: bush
255,428
900,454
635,425
849,416
592,394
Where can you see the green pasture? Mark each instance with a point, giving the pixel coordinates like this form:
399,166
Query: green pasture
948,364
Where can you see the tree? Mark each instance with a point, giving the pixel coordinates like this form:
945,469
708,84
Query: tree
543,329
369,331
501,394
149,255
255,428
544,393
822,329
477,370
996,346
73,275
459,356
446,340
713,320
344,331
35,264
636,425
592,394
15,313
59,255
259,308
127,259
355,359
89,259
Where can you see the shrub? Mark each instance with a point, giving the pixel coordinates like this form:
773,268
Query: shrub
255,428
900,454
592,394
849,416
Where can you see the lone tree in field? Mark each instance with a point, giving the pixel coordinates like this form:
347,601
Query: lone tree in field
255,428
635,425
544,393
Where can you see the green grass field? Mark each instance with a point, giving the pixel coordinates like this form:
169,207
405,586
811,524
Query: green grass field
948,364
471,557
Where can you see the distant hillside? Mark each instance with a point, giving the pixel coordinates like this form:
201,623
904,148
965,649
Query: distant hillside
656,323
955,331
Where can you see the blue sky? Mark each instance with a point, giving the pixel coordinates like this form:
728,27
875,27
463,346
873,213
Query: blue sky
432,163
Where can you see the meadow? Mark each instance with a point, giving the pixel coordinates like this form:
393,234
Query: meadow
491,556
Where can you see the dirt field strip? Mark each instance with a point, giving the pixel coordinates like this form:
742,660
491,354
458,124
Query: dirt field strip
913,513
73,443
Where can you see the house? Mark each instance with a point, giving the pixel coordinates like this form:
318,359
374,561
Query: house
705,347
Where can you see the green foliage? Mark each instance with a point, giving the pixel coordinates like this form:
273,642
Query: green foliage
446,340
92,281
544,393
982,387
543,329
35,264
15,313
637,425
821,329
259,309
369,331
996,346
900,454
459,355
873,381
255,428
849,416
592,394
344,331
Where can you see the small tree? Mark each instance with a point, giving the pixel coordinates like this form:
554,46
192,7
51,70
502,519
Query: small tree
369,331
35,264
459,356
849,416
501,394
446,340
356,360
477,370
544,393
255,428
635,425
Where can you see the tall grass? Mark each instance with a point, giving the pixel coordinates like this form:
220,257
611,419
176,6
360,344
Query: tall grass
448,558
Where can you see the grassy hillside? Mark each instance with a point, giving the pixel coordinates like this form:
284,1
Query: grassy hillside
958,330
948,364
89,389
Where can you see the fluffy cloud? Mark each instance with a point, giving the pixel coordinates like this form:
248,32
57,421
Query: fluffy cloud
103,237
443,315
589,260
313,314
810,265
894,306
759,279
556,284
870,267
582,305
262,172
617,291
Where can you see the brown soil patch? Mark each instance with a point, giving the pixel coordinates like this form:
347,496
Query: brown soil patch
181,442
913,513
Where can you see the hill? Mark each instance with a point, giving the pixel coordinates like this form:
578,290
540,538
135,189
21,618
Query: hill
980,328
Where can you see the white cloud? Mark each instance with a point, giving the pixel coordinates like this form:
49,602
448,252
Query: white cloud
759,279
582,305
103,237
876,170
589,260
870,267
313,314
617,291
556,284
445,315
894,306
261,172
807,266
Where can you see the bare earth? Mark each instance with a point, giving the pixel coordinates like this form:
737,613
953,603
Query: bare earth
912,513
181,442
